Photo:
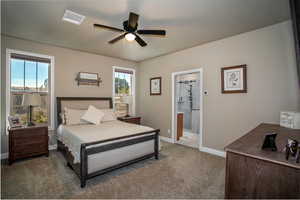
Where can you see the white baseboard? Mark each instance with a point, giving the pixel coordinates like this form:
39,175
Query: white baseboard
203,149
52,147
166,139
5,155
213,151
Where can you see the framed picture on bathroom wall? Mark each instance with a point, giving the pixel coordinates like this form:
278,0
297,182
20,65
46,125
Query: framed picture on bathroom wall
234,79
155,86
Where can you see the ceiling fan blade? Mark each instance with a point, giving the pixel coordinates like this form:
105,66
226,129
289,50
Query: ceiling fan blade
140,40
120,37
108,27
152,32
133,19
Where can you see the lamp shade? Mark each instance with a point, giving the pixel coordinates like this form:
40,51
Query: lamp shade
31,99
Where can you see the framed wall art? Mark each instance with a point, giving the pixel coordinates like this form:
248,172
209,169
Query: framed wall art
234,79
155,86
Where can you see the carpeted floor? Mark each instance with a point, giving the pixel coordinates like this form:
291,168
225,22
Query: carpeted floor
181,172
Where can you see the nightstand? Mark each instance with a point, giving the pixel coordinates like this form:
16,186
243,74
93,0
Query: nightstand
130,119
27,141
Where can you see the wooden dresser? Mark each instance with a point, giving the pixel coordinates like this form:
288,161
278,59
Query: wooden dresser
27,142
255,173
131,119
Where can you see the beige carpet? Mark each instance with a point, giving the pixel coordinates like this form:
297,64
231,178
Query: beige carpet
181,172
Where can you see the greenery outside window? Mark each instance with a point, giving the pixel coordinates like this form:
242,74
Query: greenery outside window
123,91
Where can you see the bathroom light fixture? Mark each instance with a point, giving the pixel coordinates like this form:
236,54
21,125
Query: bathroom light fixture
130,37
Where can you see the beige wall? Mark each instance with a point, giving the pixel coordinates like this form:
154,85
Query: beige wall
272,83
67,64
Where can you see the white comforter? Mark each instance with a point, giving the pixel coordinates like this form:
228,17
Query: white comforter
74,135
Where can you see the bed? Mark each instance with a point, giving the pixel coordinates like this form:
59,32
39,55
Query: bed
92,150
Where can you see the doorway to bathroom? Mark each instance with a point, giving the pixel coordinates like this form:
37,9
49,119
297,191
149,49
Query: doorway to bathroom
187,111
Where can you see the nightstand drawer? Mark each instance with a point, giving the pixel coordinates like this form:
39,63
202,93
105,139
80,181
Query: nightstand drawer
28,141
30,149
29,134
133,121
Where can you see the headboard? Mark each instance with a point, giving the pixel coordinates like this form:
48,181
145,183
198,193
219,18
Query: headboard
81,103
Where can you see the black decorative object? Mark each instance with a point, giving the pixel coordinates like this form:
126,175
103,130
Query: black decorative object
291,148
30,123
269,142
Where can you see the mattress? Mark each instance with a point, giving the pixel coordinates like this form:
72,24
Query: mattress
74,135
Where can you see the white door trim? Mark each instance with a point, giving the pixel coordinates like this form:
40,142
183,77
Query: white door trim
174,74
52,95
133,86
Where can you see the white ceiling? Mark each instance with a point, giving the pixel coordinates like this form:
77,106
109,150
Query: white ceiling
188,22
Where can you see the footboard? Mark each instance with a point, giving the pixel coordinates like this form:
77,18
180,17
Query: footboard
87,150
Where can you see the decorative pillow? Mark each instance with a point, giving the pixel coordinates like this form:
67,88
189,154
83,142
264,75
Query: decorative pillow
109,115
73,116
93,115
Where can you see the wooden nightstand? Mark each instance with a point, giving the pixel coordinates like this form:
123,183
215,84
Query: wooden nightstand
27,141
133,120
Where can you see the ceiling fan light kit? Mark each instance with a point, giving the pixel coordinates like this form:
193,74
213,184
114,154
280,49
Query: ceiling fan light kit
130,37
130,32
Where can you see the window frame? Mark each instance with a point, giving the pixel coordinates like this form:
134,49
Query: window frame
51,126
133,92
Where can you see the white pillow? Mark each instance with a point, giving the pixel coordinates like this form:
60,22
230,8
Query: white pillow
73,116
93,115
63,118
109,115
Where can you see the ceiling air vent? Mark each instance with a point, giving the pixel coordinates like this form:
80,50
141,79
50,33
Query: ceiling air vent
73,17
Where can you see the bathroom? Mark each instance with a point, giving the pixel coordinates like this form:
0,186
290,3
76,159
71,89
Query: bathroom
187,105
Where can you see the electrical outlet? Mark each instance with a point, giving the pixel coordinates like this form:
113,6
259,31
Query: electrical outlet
169,131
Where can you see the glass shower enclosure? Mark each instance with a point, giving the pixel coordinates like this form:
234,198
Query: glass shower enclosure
187,95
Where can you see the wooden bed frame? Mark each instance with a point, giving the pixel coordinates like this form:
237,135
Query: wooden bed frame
81,169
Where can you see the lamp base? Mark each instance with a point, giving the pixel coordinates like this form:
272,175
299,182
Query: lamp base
30,124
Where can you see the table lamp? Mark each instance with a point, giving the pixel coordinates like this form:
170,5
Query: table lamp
31,100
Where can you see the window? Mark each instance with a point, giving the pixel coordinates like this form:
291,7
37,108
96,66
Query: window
124,91
30,79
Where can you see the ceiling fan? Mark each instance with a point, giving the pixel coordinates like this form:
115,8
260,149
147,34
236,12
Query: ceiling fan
130,31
